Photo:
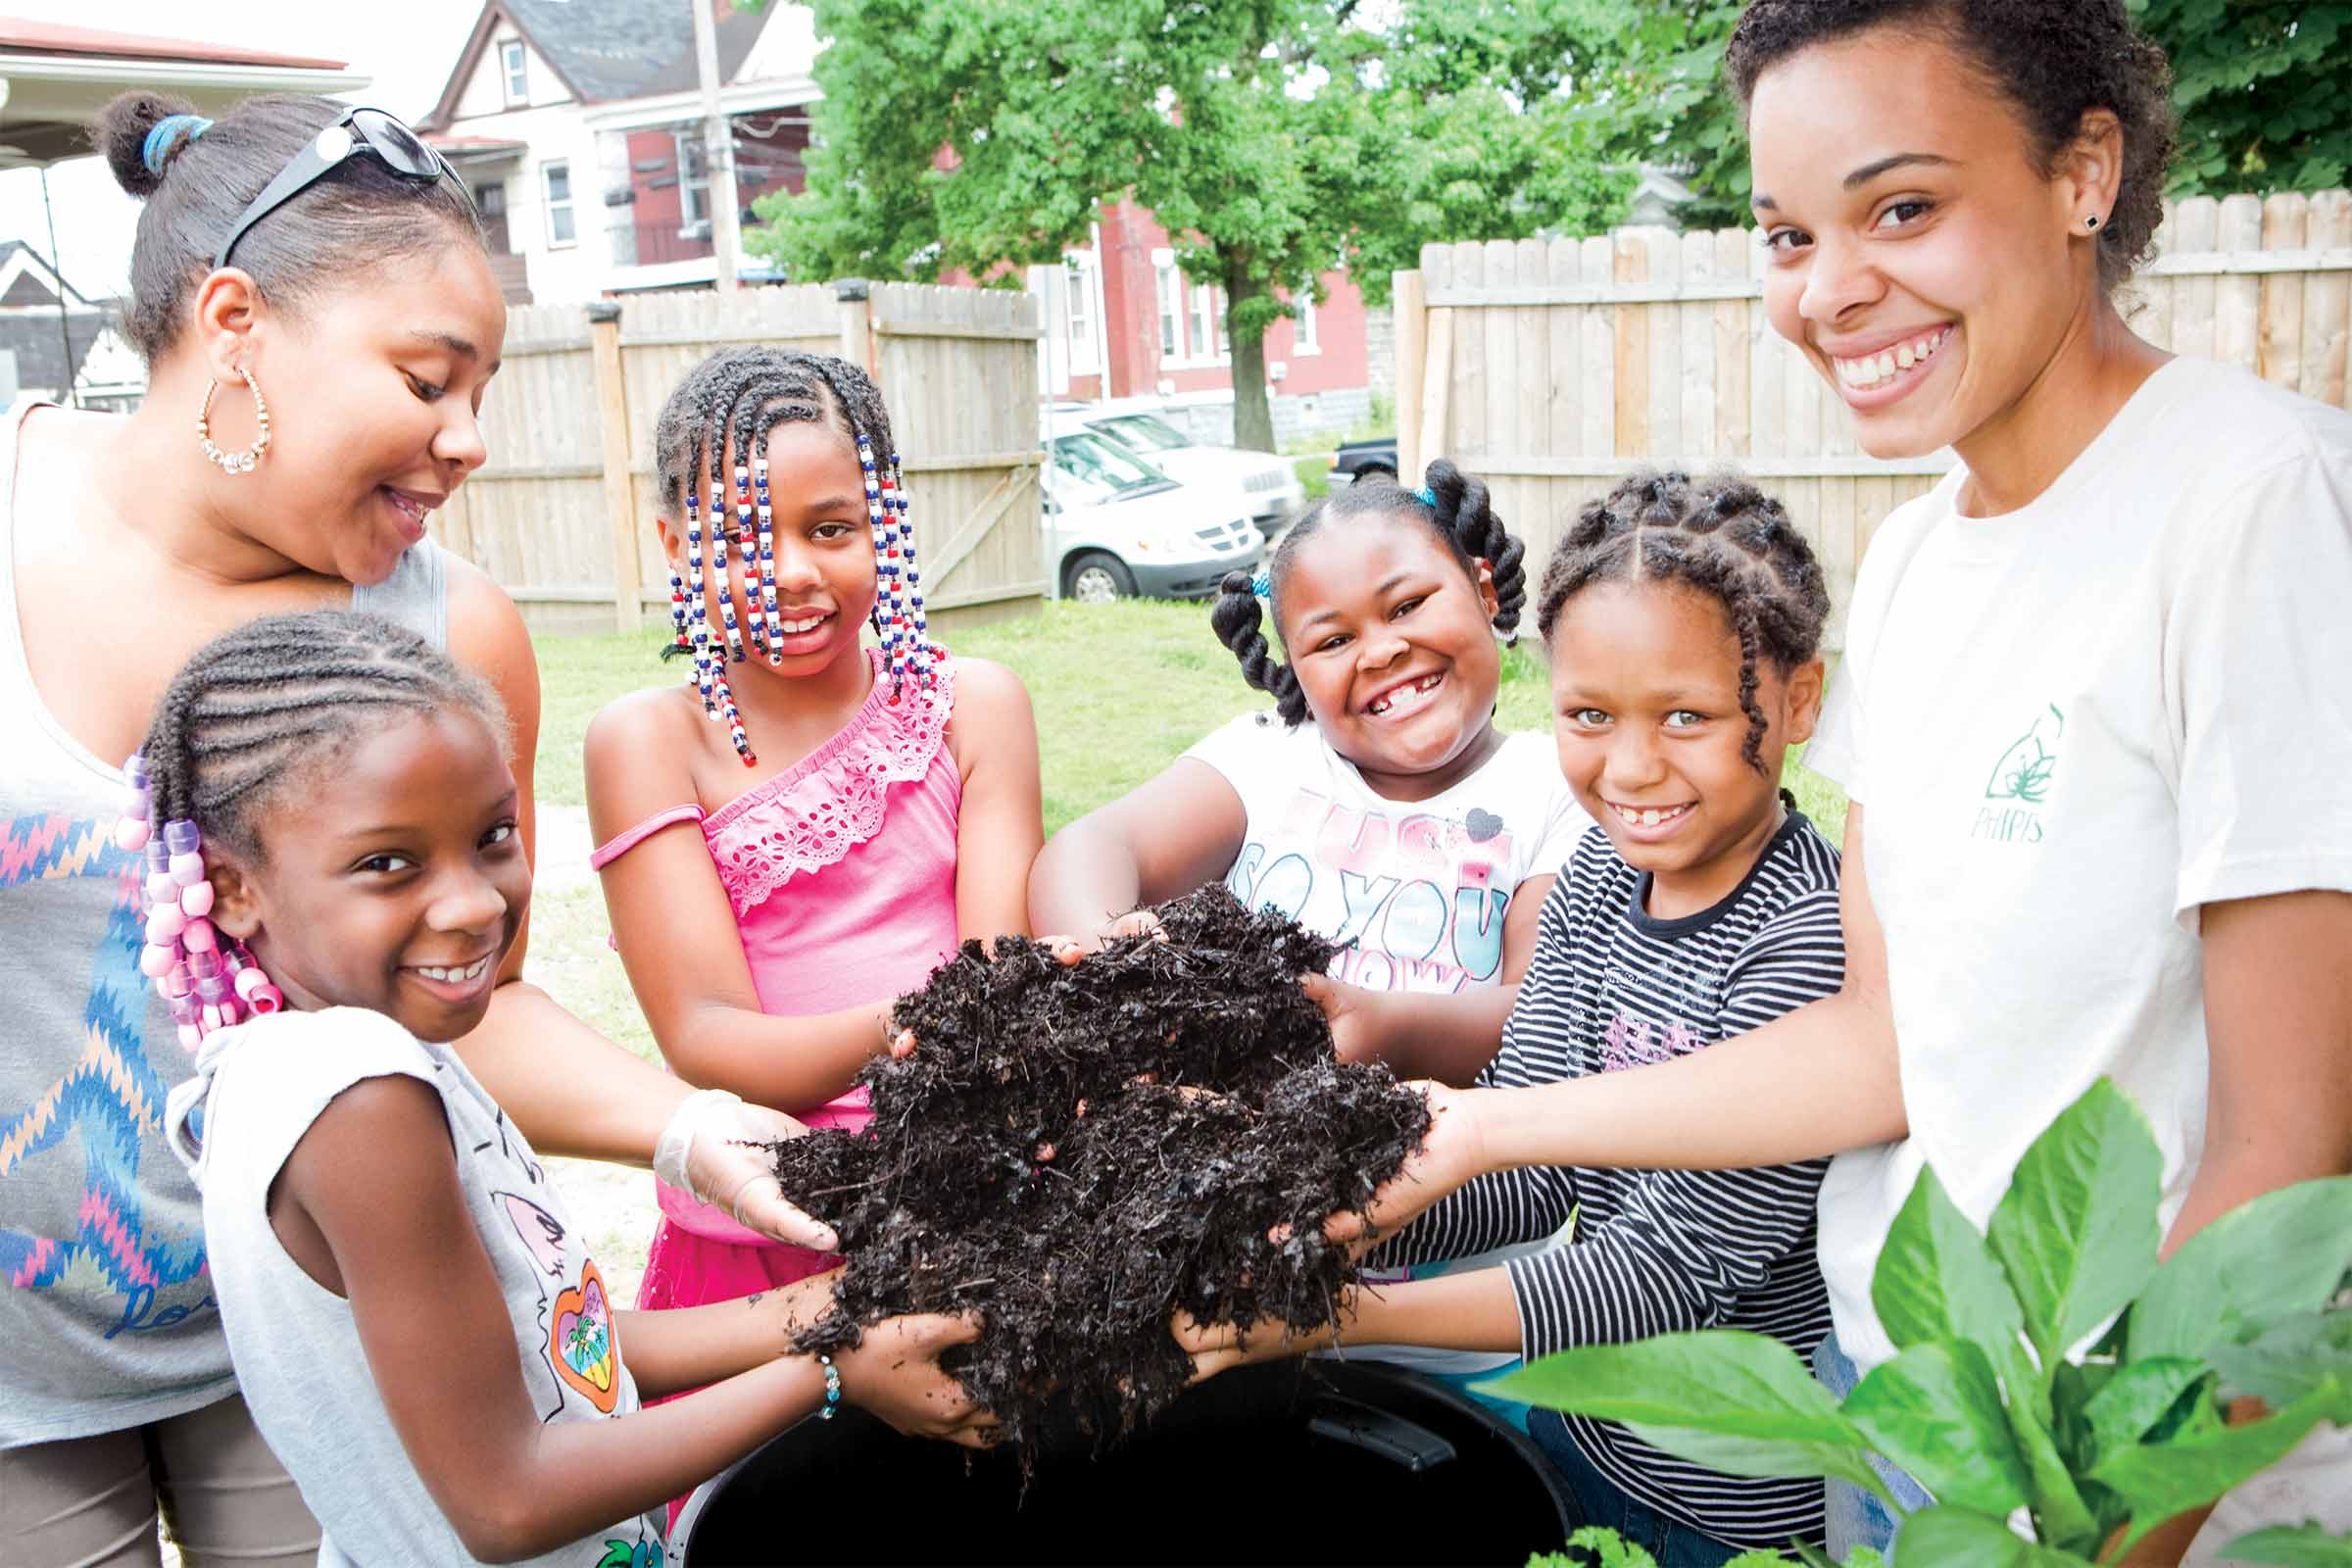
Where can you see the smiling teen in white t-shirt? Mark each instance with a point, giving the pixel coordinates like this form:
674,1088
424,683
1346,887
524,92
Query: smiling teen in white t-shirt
2094,710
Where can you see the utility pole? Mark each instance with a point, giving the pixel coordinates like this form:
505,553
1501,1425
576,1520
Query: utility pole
65,394
719,146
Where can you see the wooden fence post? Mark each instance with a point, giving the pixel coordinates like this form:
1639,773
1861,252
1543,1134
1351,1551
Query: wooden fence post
1412,327
612,418
857,324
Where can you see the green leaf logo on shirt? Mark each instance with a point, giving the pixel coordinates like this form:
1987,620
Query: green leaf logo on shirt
2023,772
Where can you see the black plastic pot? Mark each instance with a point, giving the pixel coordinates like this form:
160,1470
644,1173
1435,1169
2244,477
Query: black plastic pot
1293,1463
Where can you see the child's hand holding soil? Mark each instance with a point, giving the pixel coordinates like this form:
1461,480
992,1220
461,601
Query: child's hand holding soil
1077,1153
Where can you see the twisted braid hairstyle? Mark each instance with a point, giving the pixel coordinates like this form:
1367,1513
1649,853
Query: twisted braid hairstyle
720,416
256,710
1722,537
1458,512
2054,59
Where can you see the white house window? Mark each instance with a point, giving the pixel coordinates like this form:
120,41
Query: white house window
518,74
1172,304
1204,317
693,182
1085,351
557,176
1303,330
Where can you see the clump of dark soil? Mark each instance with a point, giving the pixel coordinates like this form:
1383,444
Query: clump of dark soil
1074,1153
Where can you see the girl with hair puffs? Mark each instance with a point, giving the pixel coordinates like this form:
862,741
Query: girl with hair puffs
1377,803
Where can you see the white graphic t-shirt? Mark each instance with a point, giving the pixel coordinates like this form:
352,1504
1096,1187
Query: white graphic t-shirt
1419,888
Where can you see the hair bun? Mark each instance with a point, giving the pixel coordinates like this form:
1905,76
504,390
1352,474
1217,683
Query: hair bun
121,132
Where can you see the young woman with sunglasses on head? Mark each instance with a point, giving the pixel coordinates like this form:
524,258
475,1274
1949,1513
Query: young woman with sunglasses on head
311,292
2092,713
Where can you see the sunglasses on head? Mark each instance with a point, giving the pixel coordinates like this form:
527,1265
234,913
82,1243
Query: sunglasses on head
359,130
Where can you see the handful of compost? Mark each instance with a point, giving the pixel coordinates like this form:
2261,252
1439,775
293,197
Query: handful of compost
1075,1153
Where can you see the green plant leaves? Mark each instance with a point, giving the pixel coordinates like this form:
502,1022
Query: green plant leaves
1935,1280
1935,1410
2159,1480
2293,1547
1740,1402
2279,1254
2294,1358
2137,1397
2076,1232
1956,1538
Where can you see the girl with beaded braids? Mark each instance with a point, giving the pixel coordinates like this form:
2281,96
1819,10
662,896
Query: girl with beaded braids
319,322
442,1375
1683,622
1377,802
2090,713
811,823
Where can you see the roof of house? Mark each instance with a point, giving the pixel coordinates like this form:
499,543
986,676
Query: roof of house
59,76
34,337
21,35
605,51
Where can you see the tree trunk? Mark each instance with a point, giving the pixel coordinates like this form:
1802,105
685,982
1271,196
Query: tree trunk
1253,414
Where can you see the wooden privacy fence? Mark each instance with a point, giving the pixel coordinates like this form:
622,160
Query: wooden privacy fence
563,514
1554,369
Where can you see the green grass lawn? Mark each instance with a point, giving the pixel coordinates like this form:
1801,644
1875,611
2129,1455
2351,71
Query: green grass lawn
1120,691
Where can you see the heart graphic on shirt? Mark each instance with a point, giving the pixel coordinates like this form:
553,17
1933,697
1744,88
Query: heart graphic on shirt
1482,825
581,1342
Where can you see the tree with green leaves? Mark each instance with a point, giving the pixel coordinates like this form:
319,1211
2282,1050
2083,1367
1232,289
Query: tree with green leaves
1275,140
2262,90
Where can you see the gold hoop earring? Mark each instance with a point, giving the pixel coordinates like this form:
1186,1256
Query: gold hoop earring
234,462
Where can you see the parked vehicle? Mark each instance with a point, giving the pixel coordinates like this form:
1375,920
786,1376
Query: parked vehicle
1117,527
1356,458
1269,486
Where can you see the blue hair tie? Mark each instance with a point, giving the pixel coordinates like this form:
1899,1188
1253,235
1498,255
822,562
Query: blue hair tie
1427,500
166,135
1262,585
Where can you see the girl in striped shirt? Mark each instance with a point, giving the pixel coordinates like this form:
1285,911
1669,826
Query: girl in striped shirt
1684,622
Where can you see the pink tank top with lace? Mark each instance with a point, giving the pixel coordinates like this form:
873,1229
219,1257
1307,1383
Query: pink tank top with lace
842,872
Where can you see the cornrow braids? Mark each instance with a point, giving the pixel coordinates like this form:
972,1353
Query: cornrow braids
1721,536
1455,505
725,407
252,711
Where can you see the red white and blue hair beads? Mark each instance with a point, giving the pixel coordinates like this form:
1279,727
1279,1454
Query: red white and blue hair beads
209,982
767,522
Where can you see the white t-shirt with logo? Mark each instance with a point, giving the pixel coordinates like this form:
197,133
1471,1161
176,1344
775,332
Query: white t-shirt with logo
1419,888
2071,726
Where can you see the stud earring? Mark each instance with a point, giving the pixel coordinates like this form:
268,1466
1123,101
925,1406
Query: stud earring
2091,223
234,462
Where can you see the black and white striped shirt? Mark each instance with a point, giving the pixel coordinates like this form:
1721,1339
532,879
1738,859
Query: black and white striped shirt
1660,1251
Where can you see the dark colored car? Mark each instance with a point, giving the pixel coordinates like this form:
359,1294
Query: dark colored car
1358,457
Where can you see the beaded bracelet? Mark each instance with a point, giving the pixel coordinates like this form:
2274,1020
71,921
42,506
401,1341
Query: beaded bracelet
832,1388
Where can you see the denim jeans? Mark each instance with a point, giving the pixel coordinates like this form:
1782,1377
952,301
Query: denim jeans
1603,1503
1856,1517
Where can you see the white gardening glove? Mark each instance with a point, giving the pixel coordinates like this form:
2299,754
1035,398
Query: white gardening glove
710,1149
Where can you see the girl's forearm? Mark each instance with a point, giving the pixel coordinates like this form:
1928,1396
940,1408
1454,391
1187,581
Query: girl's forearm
792,1063
1473,1310
1817,1081
581,1476
1084,878
689,1347
571,1091
1450,1038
